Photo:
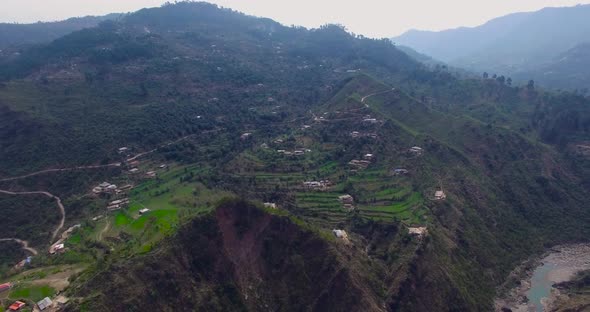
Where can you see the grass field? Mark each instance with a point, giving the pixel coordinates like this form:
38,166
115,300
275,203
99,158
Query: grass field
34,293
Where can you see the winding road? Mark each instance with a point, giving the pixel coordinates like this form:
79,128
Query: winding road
62,210
23,243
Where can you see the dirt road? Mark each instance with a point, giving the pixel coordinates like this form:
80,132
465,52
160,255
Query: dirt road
62,210
58,170
23,243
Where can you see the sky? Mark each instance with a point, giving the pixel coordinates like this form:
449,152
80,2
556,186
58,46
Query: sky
372,18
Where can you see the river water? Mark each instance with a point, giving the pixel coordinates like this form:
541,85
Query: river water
536,291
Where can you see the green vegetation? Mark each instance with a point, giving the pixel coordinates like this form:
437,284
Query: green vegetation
30,292
508,159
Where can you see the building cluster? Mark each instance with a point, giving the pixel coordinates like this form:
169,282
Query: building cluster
108,188
359,134
317,185
297,152
105,187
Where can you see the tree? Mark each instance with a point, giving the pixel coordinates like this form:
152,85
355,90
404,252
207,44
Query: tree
485,75
509,81
531,85
501,79
494,76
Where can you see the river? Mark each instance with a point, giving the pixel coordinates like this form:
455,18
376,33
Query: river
536,292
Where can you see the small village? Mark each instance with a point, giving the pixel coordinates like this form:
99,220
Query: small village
384,194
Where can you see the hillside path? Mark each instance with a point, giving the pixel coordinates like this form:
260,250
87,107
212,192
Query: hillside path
62,210
104,230
373,94
23,243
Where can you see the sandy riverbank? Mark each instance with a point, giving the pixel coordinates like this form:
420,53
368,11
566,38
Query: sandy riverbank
559,264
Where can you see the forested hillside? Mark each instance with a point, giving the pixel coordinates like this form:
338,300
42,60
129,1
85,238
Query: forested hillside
210,103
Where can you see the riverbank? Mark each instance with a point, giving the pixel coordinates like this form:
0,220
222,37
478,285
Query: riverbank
534,291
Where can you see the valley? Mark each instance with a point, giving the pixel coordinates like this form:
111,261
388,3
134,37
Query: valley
190,157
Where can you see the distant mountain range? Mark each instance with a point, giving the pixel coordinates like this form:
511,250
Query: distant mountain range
19,34
532,45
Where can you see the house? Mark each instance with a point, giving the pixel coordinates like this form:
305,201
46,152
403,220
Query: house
317,184
305,127
400,171
113,207
246,135
439,195
370,120
57,248
151,174
123,149
340,234
264,145
368,157
5,287
355,134
270,205
17,305
346,199
299,152
134,163
44,304
134,170
416,150
163,166
418,231
143,211
126,187
359,164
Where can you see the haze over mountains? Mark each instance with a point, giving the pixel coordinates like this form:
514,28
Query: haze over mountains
25,34
532,45
229,143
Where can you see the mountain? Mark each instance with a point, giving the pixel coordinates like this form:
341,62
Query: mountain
42,32
506,45
212,104
566,71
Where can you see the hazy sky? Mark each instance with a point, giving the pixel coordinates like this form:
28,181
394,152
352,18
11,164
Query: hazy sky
373,18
